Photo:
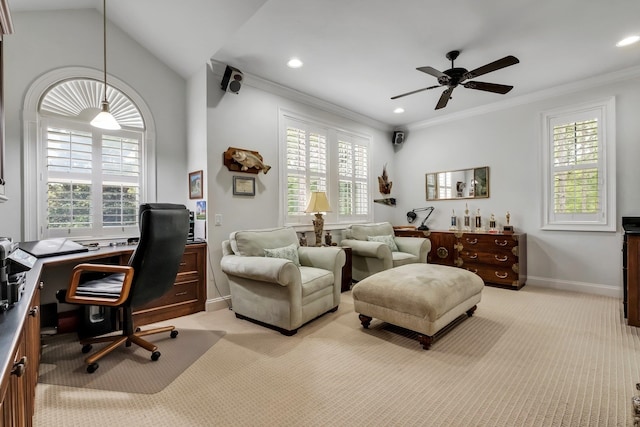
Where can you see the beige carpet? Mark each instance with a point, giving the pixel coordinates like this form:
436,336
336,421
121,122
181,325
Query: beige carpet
126,369
534,357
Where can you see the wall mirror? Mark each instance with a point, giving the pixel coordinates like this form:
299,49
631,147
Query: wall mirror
460,184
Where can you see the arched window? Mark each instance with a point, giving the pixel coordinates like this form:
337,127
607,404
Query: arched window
87,182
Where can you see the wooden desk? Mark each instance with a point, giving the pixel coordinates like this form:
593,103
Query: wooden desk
20,325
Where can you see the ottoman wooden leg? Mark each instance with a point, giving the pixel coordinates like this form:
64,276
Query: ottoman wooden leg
425,340
471,311
365,320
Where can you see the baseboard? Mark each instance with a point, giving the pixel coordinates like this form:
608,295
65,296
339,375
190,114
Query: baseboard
219,303
567,285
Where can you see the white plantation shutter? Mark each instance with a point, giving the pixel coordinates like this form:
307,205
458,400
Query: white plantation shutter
306,161
318,157
92,180
353,178
579,160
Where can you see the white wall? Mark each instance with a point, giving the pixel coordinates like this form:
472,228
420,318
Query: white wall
508,141
45,41
249,120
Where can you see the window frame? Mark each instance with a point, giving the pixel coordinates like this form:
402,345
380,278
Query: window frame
605,218
31,122
334,133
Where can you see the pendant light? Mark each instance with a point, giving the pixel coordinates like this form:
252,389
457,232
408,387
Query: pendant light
105,120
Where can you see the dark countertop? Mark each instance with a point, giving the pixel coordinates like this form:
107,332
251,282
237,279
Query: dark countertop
12,321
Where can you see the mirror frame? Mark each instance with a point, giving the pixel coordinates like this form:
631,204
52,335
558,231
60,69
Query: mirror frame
479,192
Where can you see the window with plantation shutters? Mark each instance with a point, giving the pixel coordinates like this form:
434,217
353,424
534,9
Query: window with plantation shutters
353,176
306,161
92,179
579,160
320,157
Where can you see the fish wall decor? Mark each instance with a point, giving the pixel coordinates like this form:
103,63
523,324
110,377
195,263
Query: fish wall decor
242,160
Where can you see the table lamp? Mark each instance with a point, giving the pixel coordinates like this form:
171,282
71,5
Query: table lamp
318,204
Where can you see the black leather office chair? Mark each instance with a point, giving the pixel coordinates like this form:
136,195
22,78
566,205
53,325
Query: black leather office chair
151,272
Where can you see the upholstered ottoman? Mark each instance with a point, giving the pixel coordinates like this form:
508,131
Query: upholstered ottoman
424,298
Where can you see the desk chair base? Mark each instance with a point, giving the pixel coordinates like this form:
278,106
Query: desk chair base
115,341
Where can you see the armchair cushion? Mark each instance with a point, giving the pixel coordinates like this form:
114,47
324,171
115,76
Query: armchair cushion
254,242
287,252
386,239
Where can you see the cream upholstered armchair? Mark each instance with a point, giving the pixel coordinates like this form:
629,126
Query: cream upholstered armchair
375,248
278,283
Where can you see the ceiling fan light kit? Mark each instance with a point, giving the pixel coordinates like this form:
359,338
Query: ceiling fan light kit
455,76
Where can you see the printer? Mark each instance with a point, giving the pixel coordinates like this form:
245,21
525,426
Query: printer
14,263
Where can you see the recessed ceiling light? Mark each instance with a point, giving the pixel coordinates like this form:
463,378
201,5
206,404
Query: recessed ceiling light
294,63
399,110
627,41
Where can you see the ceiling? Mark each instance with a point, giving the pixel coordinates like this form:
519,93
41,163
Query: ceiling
357,54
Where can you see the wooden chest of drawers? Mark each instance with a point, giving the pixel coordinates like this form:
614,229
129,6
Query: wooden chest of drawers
500,259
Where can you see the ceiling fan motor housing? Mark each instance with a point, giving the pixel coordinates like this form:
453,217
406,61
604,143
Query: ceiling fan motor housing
455,75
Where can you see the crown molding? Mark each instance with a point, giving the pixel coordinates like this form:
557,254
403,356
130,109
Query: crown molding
6,24
588,83
286,92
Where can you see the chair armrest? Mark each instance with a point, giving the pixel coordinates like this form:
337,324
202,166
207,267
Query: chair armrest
367,248
79,269
326,258
417,246
263,269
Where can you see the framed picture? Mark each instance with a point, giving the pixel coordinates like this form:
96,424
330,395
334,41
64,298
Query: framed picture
244,186
195,185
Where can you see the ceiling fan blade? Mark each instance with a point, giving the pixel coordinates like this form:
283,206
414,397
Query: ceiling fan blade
489,87
414,91
432,71
493,66
444,98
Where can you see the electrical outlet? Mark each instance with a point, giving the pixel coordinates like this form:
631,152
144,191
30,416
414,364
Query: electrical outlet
218,219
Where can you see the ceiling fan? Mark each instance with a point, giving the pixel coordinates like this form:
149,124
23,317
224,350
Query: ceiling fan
456,76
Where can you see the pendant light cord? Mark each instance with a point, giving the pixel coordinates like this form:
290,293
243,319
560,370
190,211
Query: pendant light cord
104,44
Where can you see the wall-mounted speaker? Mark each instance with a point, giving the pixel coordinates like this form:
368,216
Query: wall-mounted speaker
398,137
232,80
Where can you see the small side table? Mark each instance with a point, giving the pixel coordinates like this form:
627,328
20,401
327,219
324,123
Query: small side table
346,271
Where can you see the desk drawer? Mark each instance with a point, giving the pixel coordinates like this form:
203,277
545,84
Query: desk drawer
180,292
189,262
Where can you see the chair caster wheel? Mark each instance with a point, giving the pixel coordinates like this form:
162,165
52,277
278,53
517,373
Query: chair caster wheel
92,368
138,329
86,348
155,355
173,334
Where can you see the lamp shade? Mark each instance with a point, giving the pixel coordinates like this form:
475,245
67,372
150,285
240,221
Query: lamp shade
318,202
104,120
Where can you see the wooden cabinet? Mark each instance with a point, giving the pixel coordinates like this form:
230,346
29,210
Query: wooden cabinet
189,291
500,259
347,270
18,385
631,264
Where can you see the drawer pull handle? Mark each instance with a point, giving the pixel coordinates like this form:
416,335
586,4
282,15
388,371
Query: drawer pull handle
502,276
20,367
182,264
503,243
472,242
442,252
475,270
179,294
474,256
501,259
